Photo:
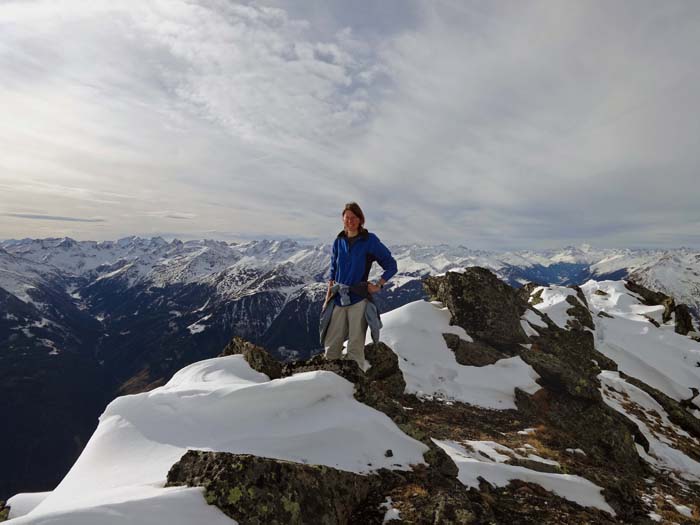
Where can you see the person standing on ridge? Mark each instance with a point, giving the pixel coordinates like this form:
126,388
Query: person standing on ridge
354,251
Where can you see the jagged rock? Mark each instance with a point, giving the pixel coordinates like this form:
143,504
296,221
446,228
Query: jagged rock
4,511
566,362
605,314
684,321
384,372
653,321
580,315
486,307
601,292
607,437
649,297
257,357
570,405
257,491
474,354
525,293
675,410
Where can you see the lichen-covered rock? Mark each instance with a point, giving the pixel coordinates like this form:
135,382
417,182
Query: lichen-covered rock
486,307
257,491
257,357
474,354
4,511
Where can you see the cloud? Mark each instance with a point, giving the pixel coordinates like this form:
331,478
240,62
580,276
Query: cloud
165,214
34,216
495,125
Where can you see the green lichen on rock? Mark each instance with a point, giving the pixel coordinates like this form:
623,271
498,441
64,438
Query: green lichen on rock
256,356
234,495
256,490
4,511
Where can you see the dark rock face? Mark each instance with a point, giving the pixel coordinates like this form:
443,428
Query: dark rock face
684,321
474,354
487,308
579,311
255,490
256,356
4,511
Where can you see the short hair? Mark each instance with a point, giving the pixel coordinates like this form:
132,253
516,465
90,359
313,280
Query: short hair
355,208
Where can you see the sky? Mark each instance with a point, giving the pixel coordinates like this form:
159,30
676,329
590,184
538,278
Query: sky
491,124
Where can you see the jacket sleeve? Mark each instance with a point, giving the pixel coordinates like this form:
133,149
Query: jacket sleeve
384,258
334,260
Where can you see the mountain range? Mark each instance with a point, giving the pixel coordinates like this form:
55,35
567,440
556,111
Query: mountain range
82,321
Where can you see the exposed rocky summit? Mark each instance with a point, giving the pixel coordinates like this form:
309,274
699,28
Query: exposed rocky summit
567,421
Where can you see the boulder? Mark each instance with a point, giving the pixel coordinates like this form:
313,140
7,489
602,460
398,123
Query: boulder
486,307
257,491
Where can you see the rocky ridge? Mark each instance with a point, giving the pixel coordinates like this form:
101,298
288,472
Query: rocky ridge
567,422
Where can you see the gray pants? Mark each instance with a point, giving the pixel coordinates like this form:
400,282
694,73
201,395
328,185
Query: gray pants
347,322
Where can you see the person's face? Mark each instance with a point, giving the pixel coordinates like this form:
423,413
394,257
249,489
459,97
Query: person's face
351,222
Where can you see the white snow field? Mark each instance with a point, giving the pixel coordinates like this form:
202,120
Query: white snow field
658,356
484,460
414,333
219,404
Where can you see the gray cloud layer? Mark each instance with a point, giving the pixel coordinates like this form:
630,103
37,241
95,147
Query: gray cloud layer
50,217
495,125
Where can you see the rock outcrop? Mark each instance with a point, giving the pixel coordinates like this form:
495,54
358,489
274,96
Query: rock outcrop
263,491
567,421
683,319
257,357
570,404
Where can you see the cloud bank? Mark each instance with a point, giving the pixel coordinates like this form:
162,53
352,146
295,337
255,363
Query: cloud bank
494,125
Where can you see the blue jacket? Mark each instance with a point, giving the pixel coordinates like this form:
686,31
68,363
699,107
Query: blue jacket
351,266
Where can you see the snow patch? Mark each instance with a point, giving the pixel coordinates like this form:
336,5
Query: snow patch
224,405
414,333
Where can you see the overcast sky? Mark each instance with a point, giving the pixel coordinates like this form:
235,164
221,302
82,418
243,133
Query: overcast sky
491,124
